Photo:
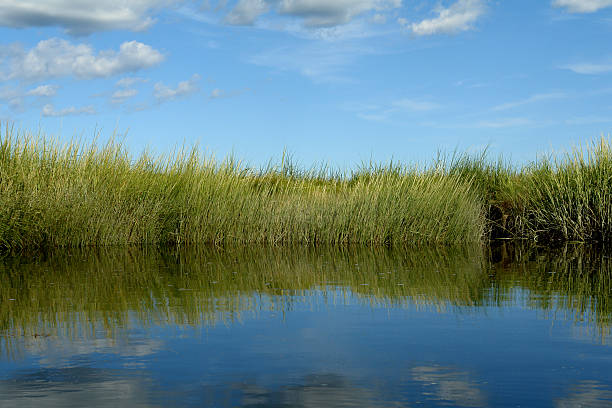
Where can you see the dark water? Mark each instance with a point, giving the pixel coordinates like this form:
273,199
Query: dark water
307,328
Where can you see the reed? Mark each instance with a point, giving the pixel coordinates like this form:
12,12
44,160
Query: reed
570,198
79,194
556,199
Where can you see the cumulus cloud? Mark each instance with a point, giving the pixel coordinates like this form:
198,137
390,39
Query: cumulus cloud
57,57
460,16
315,13
50,111
325,13
14,97
80,17
43,90
582,6
246,12
165,93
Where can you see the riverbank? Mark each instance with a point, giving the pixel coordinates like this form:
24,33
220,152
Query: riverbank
78,195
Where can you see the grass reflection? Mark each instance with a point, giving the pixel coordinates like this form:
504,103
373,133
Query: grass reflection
76,293
573,282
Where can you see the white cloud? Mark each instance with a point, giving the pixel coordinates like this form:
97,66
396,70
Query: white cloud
357,29
246,12
216,93
15,97
57,57
326,13
314,13
50,111
458,17
588,68
582,6
12,96
129,81
379,19
531,99
43,90
80,16
121,95
164,93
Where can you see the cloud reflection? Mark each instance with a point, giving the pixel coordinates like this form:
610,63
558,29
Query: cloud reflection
55,351
73,387
452,386
590,394
318,390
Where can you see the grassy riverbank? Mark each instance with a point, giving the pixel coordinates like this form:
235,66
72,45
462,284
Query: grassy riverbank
53,194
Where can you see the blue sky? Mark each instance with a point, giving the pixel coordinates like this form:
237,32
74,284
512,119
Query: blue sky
334,81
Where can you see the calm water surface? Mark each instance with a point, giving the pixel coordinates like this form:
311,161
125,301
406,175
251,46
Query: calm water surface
263,327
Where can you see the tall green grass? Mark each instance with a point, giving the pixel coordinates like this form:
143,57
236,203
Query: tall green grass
560,198
79,194
86,194
571,198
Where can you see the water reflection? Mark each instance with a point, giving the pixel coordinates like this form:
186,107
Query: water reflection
322,390
73,387
572,282
82,292
52,351
587,394
451,386
298,327
77,294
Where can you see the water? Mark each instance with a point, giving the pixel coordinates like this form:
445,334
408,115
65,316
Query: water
293,327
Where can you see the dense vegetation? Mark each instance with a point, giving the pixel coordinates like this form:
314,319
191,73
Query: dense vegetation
79,194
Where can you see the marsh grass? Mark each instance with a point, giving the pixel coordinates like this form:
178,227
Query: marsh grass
79,194
86,194
571,198
556,199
